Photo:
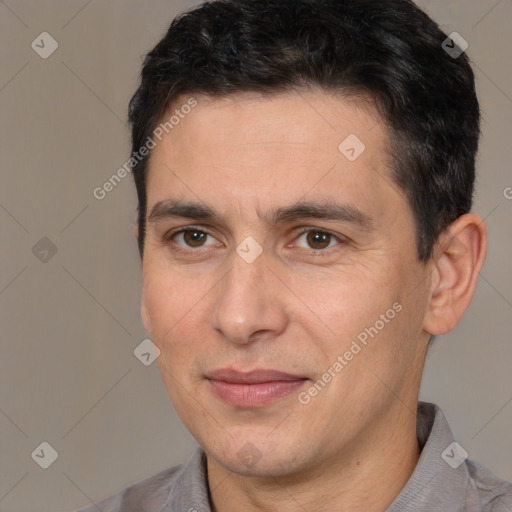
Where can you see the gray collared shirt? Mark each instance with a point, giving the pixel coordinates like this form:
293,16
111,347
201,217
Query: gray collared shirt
443,481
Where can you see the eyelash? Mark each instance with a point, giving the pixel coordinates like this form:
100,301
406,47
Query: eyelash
170,236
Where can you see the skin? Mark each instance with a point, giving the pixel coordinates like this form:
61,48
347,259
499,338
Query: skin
300,303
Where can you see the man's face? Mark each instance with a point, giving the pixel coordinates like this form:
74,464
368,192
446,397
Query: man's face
247,290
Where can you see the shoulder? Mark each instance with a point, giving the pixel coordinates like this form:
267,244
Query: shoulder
494,494
148,494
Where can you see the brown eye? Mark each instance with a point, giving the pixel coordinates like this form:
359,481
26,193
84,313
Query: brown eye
194,238
318,240
190,238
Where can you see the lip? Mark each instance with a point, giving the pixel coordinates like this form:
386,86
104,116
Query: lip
258,376
255,388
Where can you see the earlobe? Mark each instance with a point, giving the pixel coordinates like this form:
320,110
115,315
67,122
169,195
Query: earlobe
458,258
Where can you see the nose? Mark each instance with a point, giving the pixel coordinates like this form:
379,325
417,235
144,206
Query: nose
250,302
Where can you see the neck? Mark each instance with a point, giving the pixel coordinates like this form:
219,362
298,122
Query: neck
367,476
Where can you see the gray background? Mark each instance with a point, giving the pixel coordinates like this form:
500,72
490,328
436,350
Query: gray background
68,375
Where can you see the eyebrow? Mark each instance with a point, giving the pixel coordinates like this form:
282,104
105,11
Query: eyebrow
324,210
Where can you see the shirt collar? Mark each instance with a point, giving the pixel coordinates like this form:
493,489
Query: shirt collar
441,479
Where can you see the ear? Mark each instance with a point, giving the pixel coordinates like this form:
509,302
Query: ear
144,314
458,258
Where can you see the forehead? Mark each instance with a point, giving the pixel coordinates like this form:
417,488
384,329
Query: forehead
236,152
297,119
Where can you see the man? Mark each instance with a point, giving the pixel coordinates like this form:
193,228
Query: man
305,174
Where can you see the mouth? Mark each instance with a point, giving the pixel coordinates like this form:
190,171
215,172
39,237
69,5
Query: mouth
255,388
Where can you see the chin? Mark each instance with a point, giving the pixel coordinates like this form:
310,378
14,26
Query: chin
258,456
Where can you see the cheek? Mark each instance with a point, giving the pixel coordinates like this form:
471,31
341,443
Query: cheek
369,318
163,304
355,300
173,305
170,311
